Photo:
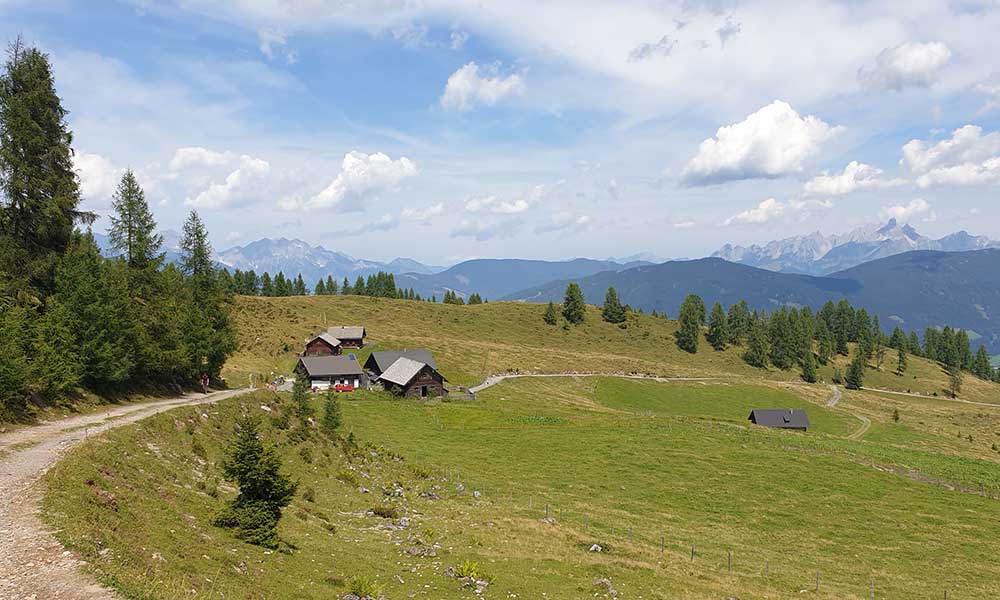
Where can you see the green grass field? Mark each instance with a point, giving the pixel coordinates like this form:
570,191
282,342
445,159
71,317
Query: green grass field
647,470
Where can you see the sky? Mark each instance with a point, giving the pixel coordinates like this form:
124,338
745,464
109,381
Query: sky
444,130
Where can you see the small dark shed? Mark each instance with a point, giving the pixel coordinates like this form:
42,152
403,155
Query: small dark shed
781,418
323,344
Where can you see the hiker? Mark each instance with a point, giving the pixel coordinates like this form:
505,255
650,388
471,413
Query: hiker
204,383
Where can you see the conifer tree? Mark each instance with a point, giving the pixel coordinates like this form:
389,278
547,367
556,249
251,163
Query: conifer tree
574,308
914,344
475,299
55,365
613,311
901,362
264,489
809,368
346,288
981,366
691,317
955,380
738,323
855,374
718,329
331,414
359,287
331,285
757,351
550,316
827,343
300,396
133,229
299,287
266,287
320,289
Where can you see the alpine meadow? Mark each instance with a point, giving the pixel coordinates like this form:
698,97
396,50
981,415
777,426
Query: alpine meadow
372,300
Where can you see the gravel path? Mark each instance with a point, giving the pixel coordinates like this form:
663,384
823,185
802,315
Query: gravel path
835,396
33,565
492,380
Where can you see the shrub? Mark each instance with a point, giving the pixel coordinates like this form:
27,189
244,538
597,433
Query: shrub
198,450
347,476
471,569
305,452
309,494
364,587
386,512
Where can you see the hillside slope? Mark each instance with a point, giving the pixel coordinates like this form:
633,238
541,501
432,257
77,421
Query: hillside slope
914,290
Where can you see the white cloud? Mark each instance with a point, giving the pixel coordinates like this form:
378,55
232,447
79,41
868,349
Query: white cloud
232,236
771,209
467,88
856,176
244,180
458,40
771,142
98,177
966,158
911,64
566,221
273,43
196,156
662,48
728,30
482,231
990,87
422,214
361,175
905,212
682,224
495,205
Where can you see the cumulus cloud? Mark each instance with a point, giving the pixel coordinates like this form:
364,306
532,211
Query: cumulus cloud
196,156
771,209
482,231
361,175
98,176
458,40
273,43
422,214
472,86
242,181
912,64
566,222
729,30
905,212
661,48
386,222
990,87
968,157
856,176
771,142
495,205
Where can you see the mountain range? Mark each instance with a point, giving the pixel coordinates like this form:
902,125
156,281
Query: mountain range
914,290
816,254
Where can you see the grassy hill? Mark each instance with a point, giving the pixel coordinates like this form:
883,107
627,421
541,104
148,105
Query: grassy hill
524,480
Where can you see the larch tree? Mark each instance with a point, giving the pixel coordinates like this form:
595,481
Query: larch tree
133,229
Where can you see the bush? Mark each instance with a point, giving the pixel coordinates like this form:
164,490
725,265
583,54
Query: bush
386,512
309,494
471,569
347,476
364,587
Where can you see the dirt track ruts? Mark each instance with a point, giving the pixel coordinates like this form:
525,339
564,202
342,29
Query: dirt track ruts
33,564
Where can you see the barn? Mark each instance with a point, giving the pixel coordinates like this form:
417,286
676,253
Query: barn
412,378
780,418
378,362
350,336
323,344
341,372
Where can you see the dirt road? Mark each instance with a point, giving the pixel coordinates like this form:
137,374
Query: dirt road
33,565
492,380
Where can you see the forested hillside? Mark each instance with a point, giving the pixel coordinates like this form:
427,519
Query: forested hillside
71,320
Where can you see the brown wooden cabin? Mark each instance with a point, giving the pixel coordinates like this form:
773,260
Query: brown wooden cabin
350,336
323,372
410,378
378,362
323,344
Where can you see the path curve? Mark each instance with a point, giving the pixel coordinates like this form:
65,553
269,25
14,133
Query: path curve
492,380
835,396
865,424
33,564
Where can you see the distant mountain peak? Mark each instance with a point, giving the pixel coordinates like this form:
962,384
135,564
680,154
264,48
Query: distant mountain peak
816,254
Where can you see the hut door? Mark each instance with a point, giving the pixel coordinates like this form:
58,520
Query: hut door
423,391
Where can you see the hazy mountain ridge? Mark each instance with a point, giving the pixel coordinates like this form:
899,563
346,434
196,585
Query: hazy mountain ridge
816,254
915,290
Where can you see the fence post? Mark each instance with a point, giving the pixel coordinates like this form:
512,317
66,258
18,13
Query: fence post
546,511
817,581
692,552
729,563
872,593
630,535
663,543
767,568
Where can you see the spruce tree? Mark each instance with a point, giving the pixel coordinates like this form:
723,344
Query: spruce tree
196,250
39,193
738,323
55,365
855,374
331,414
691,317
809,368
299,287
613,311
827,343
264,489
320,289
133,229
550,316
331,285
300,396
359,287
757,351
574,309
981,366
266,287
901,361
346,288
718,329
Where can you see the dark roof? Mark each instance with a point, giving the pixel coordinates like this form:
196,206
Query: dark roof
326,366
326,337
784,418
347,332
380,361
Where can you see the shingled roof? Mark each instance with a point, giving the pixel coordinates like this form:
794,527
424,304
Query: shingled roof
349,332
381,361
326,337
328,366
402,371
782,418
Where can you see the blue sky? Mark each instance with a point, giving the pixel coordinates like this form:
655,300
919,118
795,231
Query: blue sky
444,130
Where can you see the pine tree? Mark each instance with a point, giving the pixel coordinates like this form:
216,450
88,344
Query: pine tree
827,343
574,309
856,374
264,489
981,366
955,380
39,192
331,285
331,414
613,311
196,250
691,317
299,287
782,338
475,299
718,329
901,361
809,368
55,365
15,337
346,288
359,287
550,314
320,289
266,287
300,396
738,322
133,229
757,351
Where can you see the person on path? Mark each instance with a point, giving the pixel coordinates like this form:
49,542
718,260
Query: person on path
204,383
